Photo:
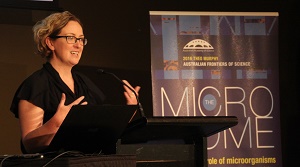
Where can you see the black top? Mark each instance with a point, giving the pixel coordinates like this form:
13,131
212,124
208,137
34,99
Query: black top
44,89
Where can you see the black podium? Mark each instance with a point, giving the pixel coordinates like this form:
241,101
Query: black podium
163,140
158,142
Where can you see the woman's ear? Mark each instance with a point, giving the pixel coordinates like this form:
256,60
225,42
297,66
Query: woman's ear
49,43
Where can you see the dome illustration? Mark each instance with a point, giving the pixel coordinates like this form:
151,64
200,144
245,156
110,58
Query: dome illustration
197,44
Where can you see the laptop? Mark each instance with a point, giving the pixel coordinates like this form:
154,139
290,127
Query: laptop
93,129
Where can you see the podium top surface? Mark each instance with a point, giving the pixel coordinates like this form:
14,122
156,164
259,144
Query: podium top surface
180,128
193,121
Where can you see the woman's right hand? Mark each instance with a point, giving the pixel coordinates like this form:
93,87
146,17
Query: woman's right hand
63,110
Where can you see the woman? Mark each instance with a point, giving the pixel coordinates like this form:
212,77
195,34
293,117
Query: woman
44,99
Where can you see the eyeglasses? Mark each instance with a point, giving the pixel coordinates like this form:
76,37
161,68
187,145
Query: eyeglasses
72,39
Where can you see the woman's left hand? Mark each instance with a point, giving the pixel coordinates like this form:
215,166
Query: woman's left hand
129,95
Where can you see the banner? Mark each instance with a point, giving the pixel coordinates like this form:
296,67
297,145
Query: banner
221,64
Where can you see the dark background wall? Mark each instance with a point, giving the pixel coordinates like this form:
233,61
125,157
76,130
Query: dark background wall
119,40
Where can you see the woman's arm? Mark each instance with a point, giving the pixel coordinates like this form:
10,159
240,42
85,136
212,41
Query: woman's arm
37,136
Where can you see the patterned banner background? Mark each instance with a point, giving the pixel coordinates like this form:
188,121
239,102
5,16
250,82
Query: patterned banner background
221,64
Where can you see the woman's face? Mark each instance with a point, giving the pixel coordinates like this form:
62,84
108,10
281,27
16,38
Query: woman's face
67,52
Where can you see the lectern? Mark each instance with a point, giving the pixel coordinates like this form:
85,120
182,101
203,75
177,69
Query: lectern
162,140
92,128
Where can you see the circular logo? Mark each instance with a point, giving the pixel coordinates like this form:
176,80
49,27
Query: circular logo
209,102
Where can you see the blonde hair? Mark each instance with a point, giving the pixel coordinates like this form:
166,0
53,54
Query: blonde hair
50,26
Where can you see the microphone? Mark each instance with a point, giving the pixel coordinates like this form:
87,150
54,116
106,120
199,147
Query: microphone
140,107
